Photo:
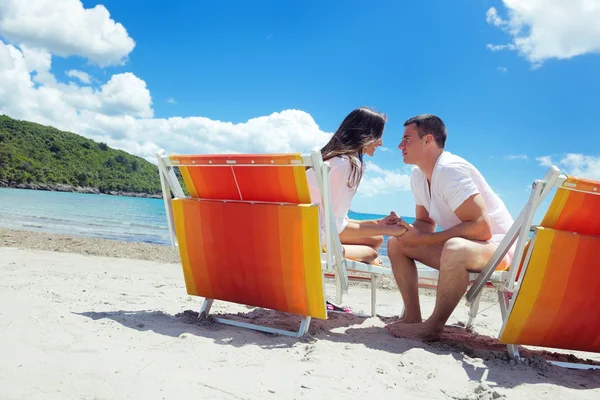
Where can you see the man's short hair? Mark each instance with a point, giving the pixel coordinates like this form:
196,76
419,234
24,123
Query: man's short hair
428,124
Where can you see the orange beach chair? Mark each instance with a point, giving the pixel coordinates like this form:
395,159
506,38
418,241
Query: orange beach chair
249,234
550,294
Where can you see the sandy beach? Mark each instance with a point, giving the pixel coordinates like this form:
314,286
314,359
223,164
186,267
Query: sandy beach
96,319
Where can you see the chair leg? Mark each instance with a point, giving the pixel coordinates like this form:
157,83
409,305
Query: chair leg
299,333
304,324
473,311
338,289
206,305
373,295
503,301
513,352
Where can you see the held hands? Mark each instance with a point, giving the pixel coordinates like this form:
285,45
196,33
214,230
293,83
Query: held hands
396,226
391,219
396,230
412,236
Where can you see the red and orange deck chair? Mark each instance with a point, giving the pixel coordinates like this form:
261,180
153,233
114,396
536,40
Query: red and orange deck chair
248,233
551,291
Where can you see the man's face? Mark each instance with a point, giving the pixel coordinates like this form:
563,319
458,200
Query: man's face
412,146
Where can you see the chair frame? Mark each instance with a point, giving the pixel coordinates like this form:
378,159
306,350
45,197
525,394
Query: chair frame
334,265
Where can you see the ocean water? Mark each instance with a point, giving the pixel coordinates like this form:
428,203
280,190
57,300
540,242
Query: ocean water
129,219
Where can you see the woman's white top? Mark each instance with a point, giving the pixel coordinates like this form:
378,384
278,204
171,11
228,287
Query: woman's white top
341,194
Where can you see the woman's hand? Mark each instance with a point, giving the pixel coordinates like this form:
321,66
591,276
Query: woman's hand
396,230
391,219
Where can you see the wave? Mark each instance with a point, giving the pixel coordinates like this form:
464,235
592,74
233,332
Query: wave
33,226
84,221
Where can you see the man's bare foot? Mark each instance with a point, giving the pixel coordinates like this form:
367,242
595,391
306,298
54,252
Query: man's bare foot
422,330
406,320
398,319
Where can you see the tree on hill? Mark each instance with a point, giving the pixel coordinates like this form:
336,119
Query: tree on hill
37,154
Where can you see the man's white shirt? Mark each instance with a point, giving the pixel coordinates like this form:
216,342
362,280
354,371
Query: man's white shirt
453,181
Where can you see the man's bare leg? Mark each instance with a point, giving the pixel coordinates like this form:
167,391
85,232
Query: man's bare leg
459,257
404,268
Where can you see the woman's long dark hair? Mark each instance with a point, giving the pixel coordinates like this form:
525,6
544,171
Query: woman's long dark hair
361,127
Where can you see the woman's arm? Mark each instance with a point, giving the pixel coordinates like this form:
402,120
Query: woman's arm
361,229
391,219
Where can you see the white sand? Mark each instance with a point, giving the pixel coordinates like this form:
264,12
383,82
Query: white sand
92,327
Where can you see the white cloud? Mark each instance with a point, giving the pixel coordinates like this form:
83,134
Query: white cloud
119,111
503,69
385,149
499,47
574,164
65,28
171,100
516,157
545,161
38,61
125,94
82,76
491,16
63,104
546,29
377,180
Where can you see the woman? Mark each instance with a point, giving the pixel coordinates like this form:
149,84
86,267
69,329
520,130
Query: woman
359,134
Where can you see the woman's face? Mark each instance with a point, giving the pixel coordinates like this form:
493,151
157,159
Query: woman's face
369,149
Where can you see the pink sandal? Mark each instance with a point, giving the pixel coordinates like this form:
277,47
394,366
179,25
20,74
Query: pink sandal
333,307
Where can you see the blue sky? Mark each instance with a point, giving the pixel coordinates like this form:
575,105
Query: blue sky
516,87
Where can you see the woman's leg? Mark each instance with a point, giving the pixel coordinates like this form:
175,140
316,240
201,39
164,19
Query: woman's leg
362,249
371,241
360,253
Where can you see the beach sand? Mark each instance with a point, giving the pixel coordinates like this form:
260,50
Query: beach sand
95,319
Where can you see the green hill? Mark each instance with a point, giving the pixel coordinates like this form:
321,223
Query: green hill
41,157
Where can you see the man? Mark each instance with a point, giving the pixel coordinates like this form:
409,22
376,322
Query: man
451,193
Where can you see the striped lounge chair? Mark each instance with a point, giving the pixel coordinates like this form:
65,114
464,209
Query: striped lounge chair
249,234
550,293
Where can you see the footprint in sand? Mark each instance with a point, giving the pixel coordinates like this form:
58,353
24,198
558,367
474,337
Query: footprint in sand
309,349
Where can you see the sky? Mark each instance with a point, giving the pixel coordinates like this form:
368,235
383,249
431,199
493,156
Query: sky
516,82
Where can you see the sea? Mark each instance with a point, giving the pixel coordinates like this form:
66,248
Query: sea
129,219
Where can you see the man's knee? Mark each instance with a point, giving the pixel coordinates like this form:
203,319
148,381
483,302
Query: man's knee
395,247
458,252
454,249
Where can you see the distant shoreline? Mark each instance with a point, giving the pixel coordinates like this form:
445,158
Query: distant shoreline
60,187
34,240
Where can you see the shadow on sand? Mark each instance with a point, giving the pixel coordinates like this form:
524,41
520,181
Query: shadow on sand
462,345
